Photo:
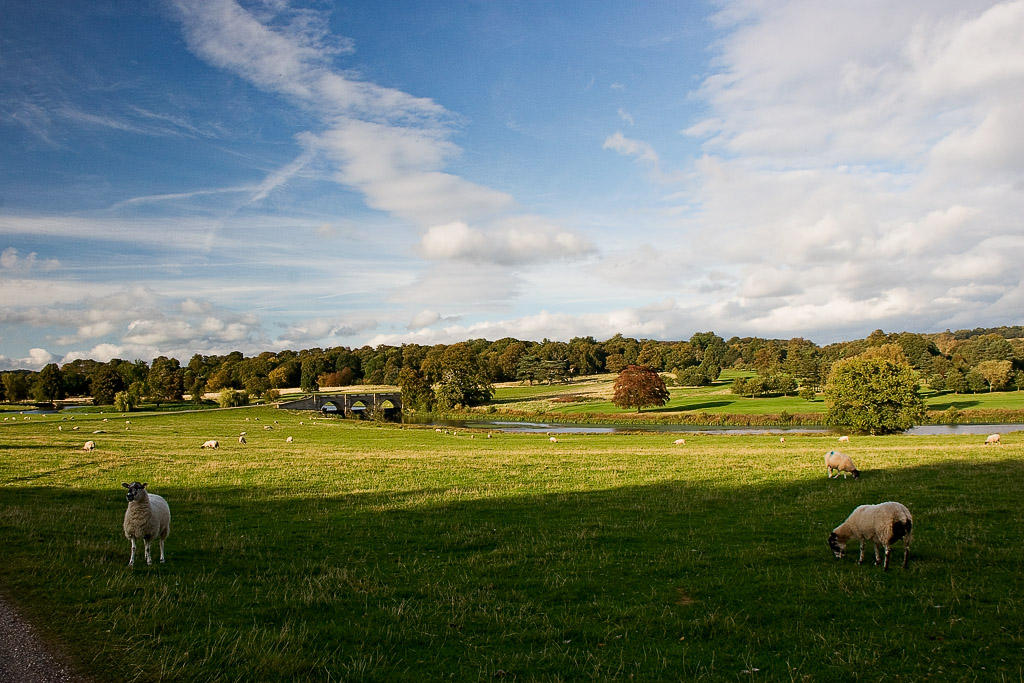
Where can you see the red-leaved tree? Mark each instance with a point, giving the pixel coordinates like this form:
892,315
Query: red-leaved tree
639,386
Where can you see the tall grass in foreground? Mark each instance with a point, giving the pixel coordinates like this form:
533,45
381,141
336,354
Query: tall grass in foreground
381,553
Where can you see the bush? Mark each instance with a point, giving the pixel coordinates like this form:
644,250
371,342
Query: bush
124,401
232,398
271,395
807,393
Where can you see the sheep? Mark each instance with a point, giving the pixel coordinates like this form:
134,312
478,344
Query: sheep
99,431
241,439
147,517
243,433
75,428
267,427
488,435
212,443
104,420
782,440
60,428
993,440
552,439
884,523
288,440
89,445
679,442
840,462
844,439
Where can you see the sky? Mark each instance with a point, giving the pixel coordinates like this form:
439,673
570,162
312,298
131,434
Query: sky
203,176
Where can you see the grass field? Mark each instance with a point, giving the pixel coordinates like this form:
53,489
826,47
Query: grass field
380,553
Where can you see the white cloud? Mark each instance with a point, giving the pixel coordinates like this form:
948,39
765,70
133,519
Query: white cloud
11,261
631,148
519,240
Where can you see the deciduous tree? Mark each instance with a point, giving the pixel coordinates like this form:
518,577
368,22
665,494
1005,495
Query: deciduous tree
639,386
874,395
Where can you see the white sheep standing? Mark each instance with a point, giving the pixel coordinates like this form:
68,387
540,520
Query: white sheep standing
288,440
844,439
840,462
884,523
782,440
993,440
212,443
552,439
679,442
148,516
241,439
89,445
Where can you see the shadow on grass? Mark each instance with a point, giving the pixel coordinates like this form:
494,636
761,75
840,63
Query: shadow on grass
681,578
689,407
959,405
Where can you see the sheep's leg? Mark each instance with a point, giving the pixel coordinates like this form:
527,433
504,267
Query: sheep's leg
877,558
860,560
906,551
131,558
149,558
161,550
886,564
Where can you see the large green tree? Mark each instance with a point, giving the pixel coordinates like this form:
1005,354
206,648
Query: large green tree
639,386
105,382
15,387
166,379
873,394
49,384
463,378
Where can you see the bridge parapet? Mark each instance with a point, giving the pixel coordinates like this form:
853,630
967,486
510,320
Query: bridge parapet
346,402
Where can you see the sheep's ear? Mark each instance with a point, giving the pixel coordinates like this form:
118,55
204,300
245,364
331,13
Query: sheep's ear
126,484
144,485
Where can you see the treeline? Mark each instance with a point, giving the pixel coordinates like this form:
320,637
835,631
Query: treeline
463,374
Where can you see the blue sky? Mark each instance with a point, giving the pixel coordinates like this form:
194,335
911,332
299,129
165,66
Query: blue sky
201,176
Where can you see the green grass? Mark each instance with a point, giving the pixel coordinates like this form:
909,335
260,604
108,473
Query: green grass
380,553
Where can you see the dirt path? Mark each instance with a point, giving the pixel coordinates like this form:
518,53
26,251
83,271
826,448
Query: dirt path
24,658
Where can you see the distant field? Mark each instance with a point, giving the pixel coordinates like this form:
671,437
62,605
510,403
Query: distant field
381,553
593,397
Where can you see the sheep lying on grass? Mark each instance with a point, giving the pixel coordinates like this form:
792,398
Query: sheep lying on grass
212,443
883,524
147,517
840,462
993,440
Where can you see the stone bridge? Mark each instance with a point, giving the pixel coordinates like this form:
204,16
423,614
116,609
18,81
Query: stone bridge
387,403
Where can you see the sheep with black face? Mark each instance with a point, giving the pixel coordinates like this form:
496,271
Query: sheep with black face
885,524
148,516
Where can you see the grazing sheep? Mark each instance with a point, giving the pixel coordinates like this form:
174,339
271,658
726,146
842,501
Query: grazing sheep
679,442
99,431
884,523
267,427
488,435
104,420
75,428
840,462
60,428
844,439
288,440
89,445
212,443
241,440
147,517
552,439
782,440
993,440
438,430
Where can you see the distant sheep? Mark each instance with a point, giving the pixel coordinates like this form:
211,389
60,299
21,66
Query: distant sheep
679,442
267,427
241,440
288,440
148,516
75,428
885,524
89,445
98,431
840,462
993,440
212,443
60,428
782,440
844,439
552,439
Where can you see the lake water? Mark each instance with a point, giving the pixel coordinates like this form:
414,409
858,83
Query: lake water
570,428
